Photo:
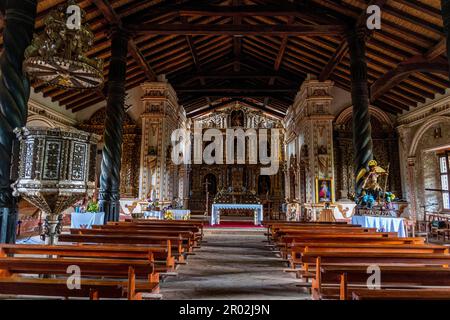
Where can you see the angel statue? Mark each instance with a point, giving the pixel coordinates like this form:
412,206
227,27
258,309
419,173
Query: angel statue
371,188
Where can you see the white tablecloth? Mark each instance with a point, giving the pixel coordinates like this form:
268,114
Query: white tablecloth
86,220
383,224
215,213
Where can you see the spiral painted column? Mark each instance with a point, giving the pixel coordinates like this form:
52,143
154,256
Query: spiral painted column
445,4
109,193
362,131
18,30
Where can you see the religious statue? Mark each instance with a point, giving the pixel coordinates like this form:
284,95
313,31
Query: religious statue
371,189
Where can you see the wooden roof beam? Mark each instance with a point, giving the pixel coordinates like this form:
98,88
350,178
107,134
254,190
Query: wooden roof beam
200,112
239,30
281,8
237,89
113,18
279,59
402,71
237,40
342,49
412,65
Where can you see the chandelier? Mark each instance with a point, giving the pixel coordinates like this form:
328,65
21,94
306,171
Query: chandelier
58,57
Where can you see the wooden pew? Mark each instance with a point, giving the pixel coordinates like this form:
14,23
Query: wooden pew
297,249
164,223
379,258
396,294
11,267
194,234
151,254
186,236
180,228
286,241
274,228
376,258
150,243
336,281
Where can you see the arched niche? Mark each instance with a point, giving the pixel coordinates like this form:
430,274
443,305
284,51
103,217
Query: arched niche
385,150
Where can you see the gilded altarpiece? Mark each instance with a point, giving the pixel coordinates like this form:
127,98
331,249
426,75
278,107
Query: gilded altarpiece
216,177
129,172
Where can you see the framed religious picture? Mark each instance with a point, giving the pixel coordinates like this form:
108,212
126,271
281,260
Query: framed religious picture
324,190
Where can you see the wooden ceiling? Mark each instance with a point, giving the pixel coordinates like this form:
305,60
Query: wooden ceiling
259,52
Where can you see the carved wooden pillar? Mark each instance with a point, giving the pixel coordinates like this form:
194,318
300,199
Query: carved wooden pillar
362,131
445,4
109,194
128,163
14,94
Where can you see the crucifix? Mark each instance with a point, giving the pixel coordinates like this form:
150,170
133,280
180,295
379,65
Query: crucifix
206,184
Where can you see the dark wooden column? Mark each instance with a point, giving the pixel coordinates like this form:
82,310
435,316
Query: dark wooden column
362,131
19,17
109,193
445,4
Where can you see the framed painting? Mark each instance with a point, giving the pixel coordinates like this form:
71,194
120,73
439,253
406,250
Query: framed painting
324,190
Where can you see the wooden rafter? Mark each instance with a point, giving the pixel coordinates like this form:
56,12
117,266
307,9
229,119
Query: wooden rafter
403,70
209,60
238,30
111,16
342,49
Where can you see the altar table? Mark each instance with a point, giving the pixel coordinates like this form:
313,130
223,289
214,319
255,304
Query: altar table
86,220
383,224
216,207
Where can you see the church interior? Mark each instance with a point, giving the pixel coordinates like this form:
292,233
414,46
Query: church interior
225,149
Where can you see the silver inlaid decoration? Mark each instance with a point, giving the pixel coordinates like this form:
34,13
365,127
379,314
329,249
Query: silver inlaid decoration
56,170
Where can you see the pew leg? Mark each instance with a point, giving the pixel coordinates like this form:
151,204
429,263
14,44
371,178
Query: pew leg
154,277
343,292
93,295
131,283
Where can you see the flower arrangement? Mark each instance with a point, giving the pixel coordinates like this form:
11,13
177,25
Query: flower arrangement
168,215
92,207
389,197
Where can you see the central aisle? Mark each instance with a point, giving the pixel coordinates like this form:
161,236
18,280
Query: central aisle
233,264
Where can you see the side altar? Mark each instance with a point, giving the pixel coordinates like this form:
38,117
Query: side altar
375,206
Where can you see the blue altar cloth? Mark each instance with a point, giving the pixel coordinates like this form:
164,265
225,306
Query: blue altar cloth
86,220
216,207
383,224
153,215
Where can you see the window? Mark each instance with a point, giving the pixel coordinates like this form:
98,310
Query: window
444,175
